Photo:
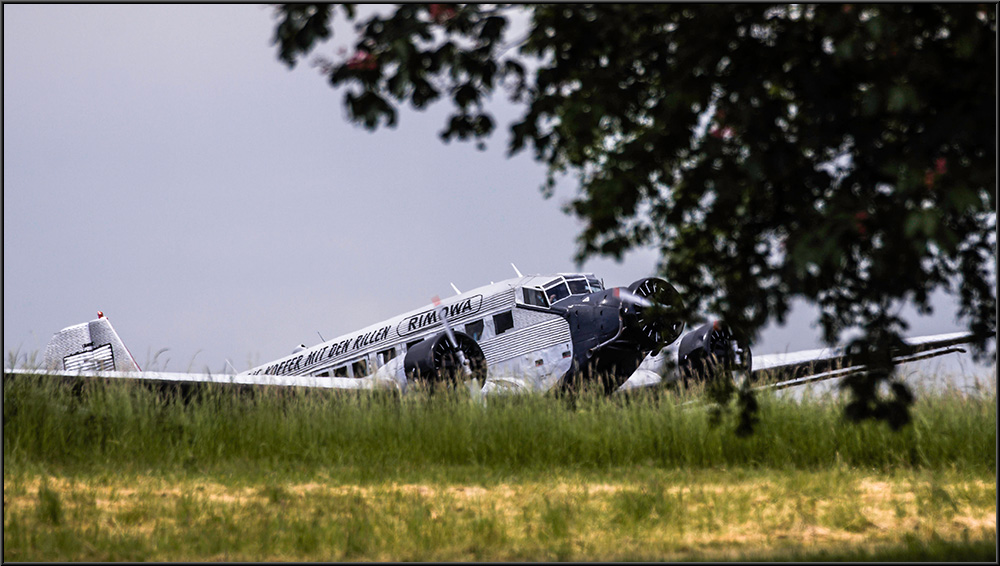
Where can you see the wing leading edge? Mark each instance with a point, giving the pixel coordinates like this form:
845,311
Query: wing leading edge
806,366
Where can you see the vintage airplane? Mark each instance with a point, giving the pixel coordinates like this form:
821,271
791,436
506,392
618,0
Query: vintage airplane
528,333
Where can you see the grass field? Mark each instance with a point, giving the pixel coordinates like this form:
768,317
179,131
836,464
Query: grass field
120,471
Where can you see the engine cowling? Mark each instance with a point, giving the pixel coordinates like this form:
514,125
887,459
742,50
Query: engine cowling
436,360
656,326
712,350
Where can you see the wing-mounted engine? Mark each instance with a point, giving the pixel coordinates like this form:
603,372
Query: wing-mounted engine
437,359
711,350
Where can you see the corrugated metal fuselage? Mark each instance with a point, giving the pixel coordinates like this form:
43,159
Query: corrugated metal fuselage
531,343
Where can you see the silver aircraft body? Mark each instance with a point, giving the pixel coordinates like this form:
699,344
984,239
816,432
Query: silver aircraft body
530,333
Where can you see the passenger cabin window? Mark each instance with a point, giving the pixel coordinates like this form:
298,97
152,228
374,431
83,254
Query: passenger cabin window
384,356
475,329
360,368
340,372
534,297
503,322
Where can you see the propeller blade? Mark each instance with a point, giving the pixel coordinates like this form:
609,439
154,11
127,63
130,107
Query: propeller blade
631,297
441,312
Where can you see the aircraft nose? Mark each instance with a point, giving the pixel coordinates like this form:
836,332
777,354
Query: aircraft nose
649,310
611,298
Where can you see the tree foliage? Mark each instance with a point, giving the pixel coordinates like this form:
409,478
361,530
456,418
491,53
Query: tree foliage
840,153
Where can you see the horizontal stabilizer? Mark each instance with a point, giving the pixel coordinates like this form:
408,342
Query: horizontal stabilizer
238,379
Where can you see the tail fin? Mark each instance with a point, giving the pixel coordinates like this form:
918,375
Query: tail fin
90,346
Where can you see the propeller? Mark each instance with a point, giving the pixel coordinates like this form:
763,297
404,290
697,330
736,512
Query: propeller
649,293
443,315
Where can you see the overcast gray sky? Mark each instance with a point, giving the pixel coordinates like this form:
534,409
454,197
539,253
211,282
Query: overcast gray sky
162,166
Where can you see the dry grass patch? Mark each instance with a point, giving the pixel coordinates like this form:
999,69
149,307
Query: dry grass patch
663,516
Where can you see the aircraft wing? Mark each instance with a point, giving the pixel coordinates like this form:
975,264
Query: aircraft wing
237,379
806,366
779,371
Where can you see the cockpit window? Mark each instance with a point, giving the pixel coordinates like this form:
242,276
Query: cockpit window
578,286
595,284
557,292
534,297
